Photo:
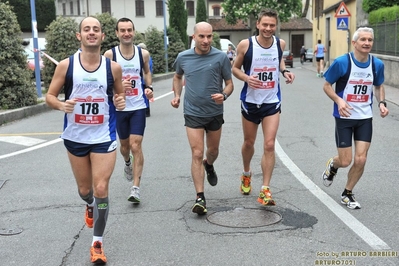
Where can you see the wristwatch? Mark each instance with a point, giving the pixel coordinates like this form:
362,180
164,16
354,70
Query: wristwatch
149,87
225,96
382,102
284,71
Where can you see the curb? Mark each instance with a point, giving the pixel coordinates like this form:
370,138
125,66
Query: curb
8,116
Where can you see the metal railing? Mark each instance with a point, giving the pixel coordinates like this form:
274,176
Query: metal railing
386,38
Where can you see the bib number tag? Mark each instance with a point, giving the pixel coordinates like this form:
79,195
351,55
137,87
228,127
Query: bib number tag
89,111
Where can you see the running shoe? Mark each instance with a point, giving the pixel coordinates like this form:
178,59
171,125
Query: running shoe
210,174
329,174
128,170
134,195
349,201
89,216
265,197
97,253
245,187
321,74
318,75
199,206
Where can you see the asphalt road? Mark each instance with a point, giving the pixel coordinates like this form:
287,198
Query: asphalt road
42,216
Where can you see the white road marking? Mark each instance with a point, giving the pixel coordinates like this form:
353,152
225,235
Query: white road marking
31,148
21,140
356,226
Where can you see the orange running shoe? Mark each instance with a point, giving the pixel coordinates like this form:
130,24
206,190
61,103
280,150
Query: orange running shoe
245,187
89,216
265,197
97,253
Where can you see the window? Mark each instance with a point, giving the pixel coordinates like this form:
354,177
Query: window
216,11
64,9
159,9
78,6
106,6
190,8
139,8
71,8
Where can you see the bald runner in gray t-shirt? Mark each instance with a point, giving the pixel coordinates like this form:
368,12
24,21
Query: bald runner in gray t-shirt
204,75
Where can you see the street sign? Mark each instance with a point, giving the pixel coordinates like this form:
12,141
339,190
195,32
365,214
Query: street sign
342,23
342,11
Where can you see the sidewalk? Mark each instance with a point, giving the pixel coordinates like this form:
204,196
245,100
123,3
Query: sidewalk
7,116
391,93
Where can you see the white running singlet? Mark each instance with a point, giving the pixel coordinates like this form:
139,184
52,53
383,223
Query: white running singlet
358,92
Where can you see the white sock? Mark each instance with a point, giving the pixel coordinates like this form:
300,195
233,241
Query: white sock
97,238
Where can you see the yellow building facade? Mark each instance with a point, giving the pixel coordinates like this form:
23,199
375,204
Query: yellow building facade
331,30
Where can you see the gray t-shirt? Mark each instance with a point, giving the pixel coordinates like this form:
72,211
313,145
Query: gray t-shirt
204,75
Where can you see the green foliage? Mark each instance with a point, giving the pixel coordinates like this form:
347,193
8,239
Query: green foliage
108,23
138,38
61,43
384,15
45,13
201,14
373,5
175,46
216,41
178,18
243,9
16,87
155,45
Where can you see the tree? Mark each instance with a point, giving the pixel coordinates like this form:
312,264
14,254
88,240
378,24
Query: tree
201,11
175,46
45,13
108,24
16,87
372,5
61,43
155,45
178,18
244,9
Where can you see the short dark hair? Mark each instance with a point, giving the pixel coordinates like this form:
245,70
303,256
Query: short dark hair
124,20
268,12
319,41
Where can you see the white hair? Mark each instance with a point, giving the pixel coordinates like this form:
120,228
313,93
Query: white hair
362,29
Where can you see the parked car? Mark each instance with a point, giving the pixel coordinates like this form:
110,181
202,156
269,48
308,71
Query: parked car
288,58
31,60
309,55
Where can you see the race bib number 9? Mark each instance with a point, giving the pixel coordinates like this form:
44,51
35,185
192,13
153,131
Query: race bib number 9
89,111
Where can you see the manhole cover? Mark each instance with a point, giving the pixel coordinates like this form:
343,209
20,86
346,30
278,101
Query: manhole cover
244,218
10,232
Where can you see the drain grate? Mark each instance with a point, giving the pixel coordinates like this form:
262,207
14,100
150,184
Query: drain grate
244,218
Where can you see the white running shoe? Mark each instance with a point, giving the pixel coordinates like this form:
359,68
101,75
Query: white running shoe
350,202
134,195
328,174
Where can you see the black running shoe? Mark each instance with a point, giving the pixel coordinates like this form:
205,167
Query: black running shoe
210,173
199,206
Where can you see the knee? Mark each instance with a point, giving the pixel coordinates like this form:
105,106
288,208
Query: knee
101,190
360,160
197,154
345,162
269,146
248,144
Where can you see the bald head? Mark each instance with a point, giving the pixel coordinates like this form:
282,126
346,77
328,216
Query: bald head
90,21
202,26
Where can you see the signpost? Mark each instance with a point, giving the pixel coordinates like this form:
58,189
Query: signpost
342,14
